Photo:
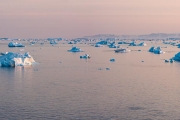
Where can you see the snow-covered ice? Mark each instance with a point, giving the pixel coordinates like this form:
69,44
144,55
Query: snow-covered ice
16,59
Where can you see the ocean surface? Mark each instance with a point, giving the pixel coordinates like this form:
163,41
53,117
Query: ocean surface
61,86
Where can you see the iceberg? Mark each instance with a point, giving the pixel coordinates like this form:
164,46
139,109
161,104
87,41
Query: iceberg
86,56
113,45
156,50
135,44
177,57
53,42
132,44
15,44
112,60
11,59
103,42
98,45
142,44
151,49
75,49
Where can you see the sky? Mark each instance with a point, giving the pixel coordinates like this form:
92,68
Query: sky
78,18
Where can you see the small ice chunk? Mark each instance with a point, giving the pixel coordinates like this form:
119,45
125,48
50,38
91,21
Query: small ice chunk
86,56
166,61
107,68
112,60
171,61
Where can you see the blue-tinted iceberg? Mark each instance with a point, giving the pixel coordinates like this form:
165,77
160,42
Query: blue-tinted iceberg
53,42
112,60
151,49
103,42
98,45
176,57
113,45
75,49
15,44
16,59
156,50
132,44
86,56
142,44
135,44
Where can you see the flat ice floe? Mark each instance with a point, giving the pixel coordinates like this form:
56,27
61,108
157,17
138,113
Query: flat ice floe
122,50
11,59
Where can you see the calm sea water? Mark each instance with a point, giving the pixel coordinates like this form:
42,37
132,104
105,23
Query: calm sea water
64,87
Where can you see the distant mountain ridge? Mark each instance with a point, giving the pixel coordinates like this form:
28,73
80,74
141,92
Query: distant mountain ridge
144,36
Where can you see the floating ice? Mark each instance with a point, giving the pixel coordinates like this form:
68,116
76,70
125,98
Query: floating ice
132,44
86,56
135,44
75,49
16,59
156,50
112,60
166,61
113,45
15,44
123,42
98,45
103,42
176,57
142,44
122,50
171,61
107,68
53,42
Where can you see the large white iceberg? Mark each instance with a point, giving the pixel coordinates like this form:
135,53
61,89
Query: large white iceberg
75,49
15,44
16,59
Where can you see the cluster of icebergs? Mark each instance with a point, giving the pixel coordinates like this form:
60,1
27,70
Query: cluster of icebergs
11,59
